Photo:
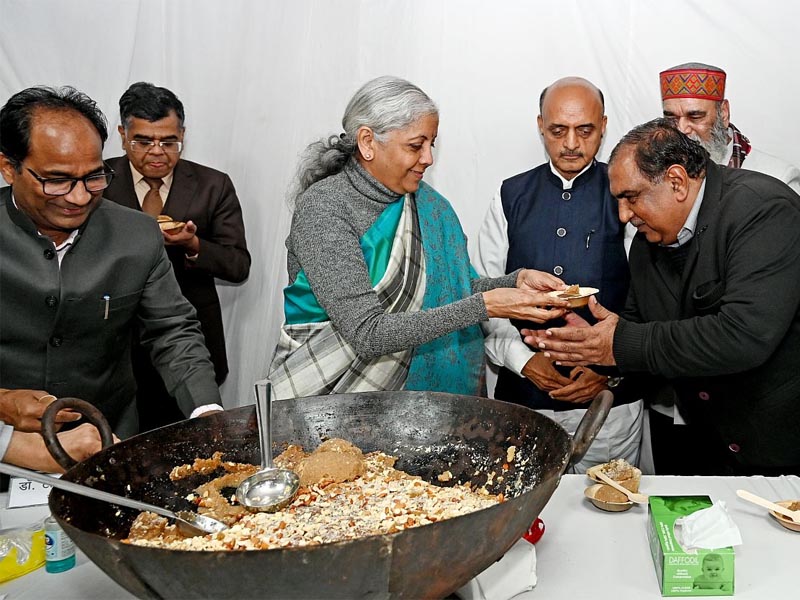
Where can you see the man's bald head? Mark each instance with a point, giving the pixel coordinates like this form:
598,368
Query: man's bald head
572,123
572,81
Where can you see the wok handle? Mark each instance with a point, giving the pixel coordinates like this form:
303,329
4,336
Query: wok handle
590,425
90,412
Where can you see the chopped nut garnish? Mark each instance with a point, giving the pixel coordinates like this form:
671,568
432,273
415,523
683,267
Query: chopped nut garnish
511,453
381,501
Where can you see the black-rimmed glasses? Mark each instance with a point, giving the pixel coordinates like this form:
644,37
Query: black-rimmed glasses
145,146
61,186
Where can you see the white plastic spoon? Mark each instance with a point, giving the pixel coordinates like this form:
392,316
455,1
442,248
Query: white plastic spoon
794,515
632,496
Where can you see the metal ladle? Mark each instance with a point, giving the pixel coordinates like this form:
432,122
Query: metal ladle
189,523
269,489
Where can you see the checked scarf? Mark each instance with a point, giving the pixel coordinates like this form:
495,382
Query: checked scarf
312,358
741,148
428,266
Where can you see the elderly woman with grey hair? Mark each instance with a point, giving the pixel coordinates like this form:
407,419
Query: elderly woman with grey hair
382,295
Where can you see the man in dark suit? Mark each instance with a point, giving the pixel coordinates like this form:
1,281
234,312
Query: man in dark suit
79,276
714,301
153,178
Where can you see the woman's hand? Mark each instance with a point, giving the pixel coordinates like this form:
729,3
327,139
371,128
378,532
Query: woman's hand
83,441
28,449
526,305
538,281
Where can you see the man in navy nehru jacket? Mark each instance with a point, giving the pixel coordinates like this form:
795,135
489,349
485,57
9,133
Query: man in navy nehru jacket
561,218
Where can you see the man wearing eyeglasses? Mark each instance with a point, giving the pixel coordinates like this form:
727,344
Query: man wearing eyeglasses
78,275
153,178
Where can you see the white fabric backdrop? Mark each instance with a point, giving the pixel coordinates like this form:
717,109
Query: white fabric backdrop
261,79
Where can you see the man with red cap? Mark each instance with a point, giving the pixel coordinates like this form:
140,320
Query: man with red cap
693,96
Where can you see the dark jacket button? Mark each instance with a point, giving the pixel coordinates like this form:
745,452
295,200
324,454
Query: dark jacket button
51,301
56,341
49,254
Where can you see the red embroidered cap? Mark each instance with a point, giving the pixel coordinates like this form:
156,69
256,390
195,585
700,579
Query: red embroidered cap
691,82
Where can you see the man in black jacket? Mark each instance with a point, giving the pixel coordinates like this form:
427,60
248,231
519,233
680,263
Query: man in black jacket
714,301
152,177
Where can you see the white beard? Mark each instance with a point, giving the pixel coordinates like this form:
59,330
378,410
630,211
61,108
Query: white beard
717,144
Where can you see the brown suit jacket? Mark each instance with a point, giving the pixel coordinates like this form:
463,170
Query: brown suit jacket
206,197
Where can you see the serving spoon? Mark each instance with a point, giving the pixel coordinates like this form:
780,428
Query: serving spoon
189,523
794,515
269,489
632,496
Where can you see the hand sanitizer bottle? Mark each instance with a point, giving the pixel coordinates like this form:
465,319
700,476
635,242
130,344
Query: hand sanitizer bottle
59,549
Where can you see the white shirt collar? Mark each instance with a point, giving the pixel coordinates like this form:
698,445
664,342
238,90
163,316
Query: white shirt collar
137,177
141,187
61,249
690,226
566,184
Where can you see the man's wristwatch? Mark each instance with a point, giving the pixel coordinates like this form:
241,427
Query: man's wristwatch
613,382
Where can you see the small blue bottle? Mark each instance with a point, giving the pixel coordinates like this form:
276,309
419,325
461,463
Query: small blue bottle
59,549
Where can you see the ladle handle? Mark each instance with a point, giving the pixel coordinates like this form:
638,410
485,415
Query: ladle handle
264,420
590,425
83,490
794,515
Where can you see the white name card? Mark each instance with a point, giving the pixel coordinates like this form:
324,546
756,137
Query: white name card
24,492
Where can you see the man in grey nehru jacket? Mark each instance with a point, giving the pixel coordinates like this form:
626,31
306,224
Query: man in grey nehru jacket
78,277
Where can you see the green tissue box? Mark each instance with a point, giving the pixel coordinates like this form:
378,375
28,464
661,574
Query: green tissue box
697,572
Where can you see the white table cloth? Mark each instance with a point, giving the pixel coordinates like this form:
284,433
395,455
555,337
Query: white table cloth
590,554
585,553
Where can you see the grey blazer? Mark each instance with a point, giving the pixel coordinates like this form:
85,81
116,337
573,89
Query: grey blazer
68,330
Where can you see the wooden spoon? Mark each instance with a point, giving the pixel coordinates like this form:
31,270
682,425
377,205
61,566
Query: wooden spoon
794,515
632,496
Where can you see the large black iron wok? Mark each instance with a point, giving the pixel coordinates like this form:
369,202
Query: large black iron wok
429,432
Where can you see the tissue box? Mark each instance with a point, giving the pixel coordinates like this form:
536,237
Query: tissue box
685,573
